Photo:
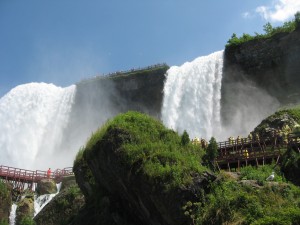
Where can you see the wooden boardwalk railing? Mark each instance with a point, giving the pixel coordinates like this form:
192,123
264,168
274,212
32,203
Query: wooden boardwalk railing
245,150
21,178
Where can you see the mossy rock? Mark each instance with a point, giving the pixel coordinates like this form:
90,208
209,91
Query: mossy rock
279,120
144,169
25,209
46,186
5,201
67,181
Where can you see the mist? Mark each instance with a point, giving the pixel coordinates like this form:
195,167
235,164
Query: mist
243,105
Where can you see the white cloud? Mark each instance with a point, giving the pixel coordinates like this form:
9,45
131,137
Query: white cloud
279,10
246,15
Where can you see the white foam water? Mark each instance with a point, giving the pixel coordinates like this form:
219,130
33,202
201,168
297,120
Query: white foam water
32,119
41,201
12,216
192,94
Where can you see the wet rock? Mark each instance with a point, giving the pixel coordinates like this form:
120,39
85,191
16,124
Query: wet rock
46,186
25,209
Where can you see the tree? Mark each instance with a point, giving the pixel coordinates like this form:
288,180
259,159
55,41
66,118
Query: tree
185,139
268,28
212,149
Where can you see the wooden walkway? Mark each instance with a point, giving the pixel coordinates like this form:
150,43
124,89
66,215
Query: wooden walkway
21,178
236,153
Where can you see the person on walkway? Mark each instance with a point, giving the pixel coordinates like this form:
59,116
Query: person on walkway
49,173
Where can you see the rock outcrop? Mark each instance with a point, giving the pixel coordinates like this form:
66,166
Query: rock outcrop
25,209
128,185
262,73
46,186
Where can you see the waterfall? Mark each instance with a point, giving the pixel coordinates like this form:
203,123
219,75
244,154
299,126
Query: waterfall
192,94
41,201
32,120
12,216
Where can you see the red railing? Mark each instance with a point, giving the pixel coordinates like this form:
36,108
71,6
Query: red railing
17,175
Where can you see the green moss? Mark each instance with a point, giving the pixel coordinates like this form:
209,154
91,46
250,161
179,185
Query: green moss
158,151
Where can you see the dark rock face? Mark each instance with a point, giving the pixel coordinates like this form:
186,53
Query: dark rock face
46,186
84,177
266,68
142,202
97,100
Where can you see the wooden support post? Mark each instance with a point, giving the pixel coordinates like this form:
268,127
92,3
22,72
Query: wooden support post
238,165
256,162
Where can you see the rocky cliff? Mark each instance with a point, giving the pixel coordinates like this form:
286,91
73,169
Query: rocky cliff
268,68
101,98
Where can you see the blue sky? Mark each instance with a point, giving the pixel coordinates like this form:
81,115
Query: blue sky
64,41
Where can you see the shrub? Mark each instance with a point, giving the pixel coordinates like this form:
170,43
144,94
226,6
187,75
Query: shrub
185,139
212,149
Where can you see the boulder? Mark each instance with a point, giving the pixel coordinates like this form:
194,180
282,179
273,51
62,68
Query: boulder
46,186
67,181
25,209
142,197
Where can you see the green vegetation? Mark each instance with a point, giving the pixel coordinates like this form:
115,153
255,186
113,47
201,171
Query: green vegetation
232,202
160,153
269,32
167,159
185,138
260,173
27,220
4,190
212,149
4,222
5,202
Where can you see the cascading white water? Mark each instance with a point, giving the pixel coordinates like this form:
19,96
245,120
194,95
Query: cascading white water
12,216
32,119
41,201
192,94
